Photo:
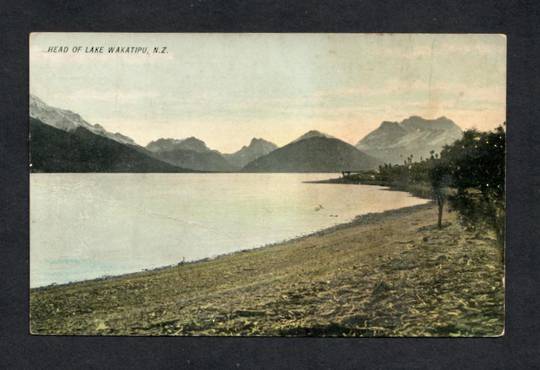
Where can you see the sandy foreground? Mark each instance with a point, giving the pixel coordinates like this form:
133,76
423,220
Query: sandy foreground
387,274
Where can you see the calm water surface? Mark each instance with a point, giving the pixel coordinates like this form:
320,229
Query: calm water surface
89,225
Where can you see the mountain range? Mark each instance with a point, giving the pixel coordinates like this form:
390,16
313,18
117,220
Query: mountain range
393,142
62,141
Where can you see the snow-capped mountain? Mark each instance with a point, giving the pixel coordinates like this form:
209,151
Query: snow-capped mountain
393,142
67,120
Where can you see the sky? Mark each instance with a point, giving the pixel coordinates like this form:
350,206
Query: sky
226,89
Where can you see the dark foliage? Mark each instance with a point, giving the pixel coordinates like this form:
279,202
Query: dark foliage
477,167
470,173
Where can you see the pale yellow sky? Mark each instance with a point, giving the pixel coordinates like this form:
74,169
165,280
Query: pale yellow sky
227,88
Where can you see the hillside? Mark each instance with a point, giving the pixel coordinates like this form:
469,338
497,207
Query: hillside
393,142
56,150
315,154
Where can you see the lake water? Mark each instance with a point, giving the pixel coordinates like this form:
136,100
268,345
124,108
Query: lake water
84,226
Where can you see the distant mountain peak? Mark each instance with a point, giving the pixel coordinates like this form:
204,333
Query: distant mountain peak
390,125
257,140
417,122
313,133
197,144
36,101
168,144
257,147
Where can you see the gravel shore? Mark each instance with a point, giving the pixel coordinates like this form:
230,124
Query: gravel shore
387,274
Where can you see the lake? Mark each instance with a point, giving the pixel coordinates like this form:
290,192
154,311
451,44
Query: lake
84,226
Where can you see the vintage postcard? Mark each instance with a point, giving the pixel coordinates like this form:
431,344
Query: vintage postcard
267,184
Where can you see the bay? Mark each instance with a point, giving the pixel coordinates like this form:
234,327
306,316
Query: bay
84,226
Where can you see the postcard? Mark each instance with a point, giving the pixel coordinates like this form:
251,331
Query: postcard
272,184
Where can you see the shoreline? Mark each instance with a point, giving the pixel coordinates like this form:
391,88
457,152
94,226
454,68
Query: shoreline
384,274
418,190
368,218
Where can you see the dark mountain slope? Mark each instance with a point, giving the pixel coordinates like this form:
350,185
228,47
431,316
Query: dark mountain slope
55,150
316,154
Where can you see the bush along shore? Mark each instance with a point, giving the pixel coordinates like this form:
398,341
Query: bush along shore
389,274
468,175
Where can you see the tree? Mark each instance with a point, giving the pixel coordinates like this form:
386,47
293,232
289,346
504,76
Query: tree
440,181
477,166
470,174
